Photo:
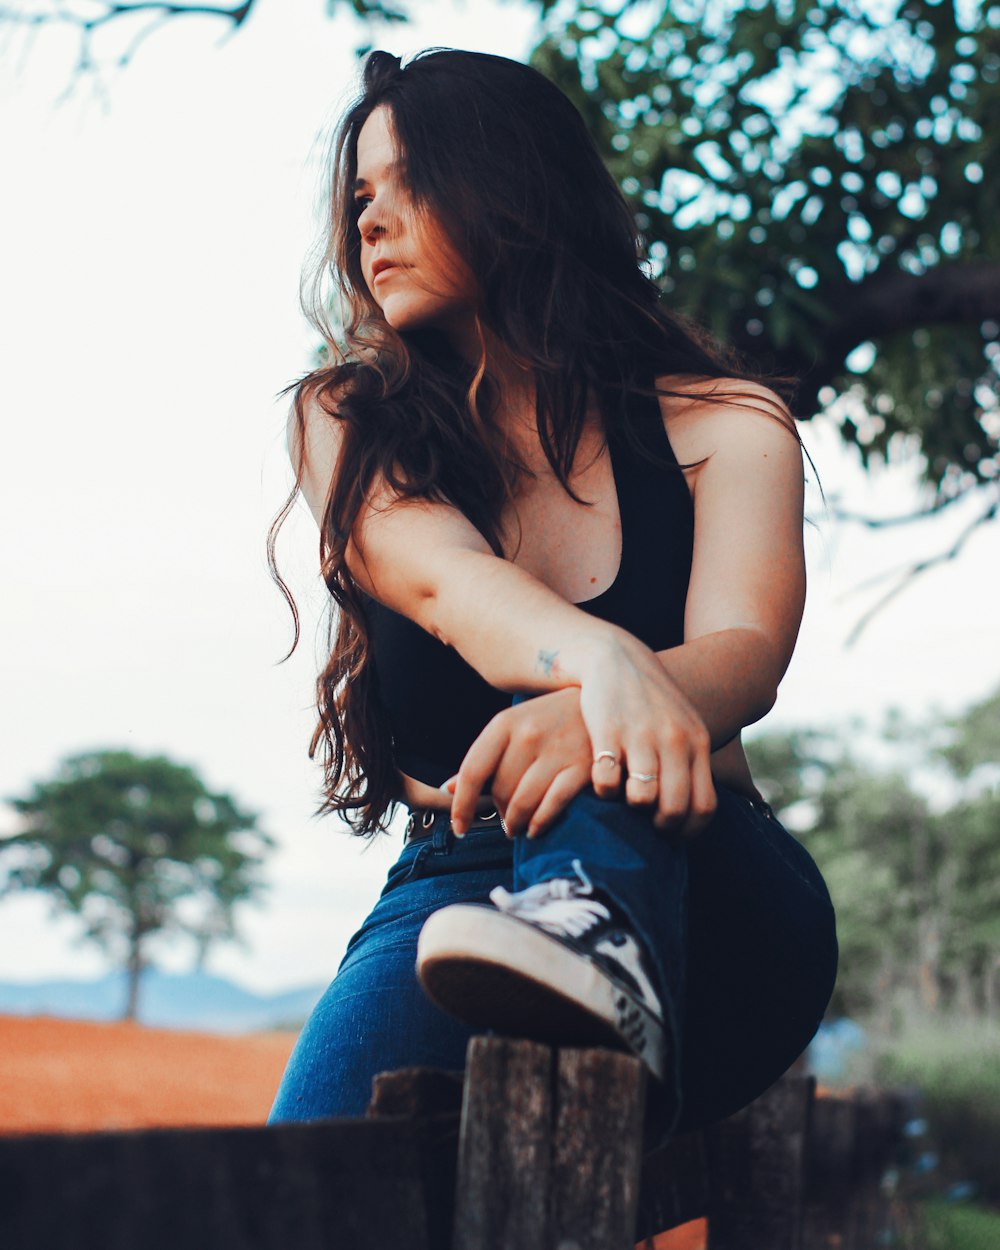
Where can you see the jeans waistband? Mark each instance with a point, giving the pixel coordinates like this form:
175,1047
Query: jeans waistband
422,822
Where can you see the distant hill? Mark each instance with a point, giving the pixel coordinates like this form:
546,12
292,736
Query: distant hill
166,1000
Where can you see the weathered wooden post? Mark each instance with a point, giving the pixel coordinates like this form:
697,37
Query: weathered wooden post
505,1147
757,1171
548,1158
597,1155
550,1148
829,1169
674,1186
852,1141
322,1186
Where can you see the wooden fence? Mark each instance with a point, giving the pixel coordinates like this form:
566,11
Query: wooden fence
533,1150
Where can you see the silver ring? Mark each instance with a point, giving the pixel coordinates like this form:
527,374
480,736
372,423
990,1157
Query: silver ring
606,755
642,776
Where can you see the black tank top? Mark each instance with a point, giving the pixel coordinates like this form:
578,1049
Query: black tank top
437,704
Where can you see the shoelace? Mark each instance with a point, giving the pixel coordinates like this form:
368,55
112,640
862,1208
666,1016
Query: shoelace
559,906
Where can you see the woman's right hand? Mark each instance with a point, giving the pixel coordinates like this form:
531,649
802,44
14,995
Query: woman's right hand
536,756
645,733
532,759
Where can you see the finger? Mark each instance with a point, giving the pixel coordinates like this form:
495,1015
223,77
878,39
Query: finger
478,766
606,770
528,793
674,797
519,761
704,800
642,786
642,774
565,786
674,792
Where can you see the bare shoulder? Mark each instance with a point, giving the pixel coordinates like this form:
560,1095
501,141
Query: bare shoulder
740,418
312,428
315,437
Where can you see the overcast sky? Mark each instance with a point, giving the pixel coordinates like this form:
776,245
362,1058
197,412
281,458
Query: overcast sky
149,259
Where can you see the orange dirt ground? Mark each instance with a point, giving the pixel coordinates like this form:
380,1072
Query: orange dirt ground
78,1076
74,1075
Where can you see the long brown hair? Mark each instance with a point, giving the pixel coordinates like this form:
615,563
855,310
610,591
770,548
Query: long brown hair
502,160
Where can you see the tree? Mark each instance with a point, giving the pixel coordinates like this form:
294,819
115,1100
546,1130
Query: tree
135,847
812,180
138,19
812,177
916,884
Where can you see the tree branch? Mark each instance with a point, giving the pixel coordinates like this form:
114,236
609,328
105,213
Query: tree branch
906,518
887,303
237,14
163,10
914,570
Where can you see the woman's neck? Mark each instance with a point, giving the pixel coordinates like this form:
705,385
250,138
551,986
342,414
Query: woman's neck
515,385
517,406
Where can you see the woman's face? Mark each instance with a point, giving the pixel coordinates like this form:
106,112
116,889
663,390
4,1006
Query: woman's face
412,271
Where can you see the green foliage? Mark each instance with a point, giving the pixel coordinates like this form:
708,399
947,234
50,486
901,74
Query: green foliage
135,847
916,885
368,9
976,740
789,767
957,1069
812,178
952,1227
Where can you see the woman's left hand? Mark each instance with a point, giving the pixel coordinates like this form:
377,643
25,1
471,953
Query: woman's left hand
532,759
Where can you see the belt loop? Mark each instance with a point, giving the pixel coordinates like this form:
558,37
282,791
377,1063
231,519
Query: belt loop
439,838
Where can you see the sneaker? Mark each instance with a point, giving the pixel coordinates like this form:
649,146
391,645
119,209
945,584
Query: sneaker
553,962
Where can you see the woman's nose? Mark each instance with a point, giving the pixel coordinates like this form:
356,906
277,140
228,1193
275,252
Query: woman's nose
370,225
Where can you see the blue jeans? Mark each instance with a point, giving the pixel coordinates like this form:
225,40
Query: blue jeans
738,924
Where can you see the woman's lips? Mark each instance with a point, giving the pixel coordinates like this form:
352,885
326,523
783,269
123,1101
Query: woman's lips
384,273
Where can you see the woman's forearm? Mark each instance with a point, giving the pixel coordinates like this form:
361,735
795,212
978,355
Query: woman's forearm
520,636
730,678
515,632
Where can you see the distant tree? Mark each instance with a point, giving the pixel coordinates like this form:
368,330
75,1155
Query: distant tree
974,738
916,885
790,767
135,847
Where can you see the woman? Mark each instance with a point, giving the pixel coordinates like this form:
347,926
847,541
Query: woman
564,535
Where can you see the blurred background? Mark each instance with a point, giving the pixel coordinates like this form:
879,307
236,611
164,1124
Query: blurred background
814,182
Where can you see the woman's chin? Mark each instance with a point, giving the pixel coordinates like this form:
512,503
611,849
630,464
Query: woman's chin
404,315
402,323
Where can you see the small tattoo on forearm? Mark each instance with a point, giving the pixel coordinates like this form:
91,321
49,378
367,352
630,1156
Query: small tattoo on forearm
548,662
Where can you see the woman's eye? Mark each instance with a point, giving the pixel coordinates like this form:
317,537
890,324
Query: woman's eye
362,202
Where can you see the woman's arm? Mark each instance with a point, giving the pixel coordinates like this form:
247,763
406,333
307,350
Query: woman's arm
747,587
743,610
745,595
428,562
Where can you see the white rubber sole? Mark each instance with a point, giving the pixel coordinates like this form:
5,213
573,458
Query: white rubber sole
495,971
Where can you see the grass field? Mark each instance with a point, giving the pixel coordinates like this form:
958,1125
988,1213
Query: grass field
954,1226
956,1066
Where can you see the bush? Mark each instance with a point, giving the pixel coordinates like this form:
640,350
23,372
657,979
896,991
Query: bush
957,1068
948,1226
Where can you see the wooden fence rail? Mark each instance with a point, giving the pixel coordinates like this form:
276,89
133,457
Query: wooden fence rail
532,1150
